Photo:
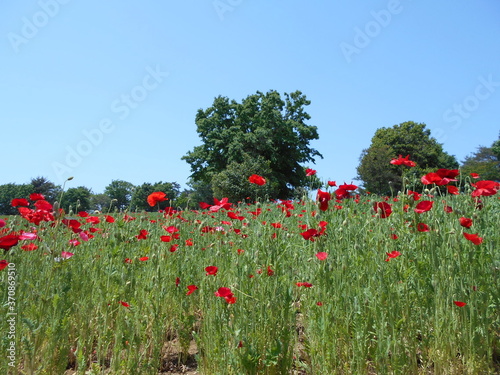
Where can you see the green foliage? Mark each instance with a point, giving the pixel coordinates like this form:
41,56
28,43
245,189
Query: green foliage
77,198
408,138
10,191
262,125
485,162
139,198
233,181
120,192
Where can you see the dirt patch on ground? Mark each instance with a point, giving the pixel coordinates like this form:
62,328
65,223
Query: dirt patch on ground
174,361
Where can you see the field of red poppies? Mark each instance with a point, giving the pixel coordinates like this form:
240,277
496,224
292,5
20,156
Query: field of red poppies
344,284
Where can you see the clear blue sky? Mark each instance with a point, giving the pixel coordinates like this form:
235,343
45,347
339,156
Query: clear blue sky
105,90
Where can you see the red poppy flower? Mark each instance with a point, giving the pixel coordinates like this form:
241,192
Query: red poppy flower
421,227
143,259
226,294
256,179
203,205
382,208
127,260
177,281
434,178
123,303
452,189
310,172
230,300
465,222
8,241
173,248
485,188
66,254
211,270
332,183
43,205
348,187
28,236
270,271
392,254
448,209
394,236
2,223
36,197
310,234
474,175
189,242
322,255
448,173
110,219
416,196
143,234
3,264
218,204
459,303
403,161
191,289
304,284
323,197
19,202
156,197
232,215
93,220
29,247
423,206
474,238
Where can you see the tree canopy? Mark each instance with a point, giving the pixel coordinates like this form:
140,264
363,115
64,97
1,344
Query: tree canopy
263,127
407,138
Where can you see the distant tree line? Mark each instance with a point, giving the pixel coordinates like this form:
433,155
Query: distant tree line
119,195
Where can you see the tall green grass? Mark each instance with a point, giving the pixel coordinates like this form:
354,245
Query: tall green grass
362,315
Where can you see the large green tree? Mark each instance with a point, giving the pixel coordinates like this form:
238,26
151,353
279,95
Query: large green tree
407,138
485,162
264,126
120,193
